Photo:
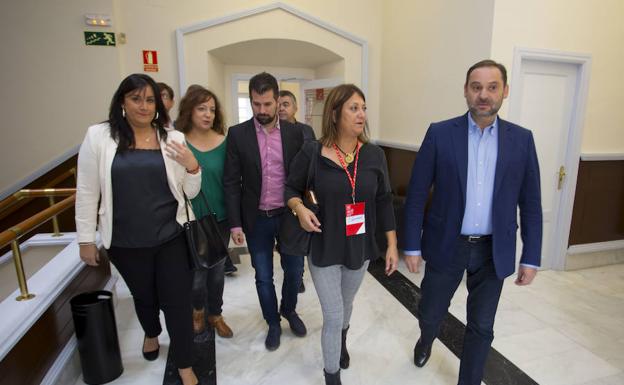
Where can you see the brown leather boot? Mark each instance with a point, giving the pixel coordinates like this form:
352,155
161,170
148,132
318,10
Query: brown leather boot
218,323
199,321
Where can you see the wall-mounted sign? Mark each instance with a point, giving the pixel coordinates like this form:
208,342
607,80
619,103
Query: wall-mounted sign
320,93
99,38
150,61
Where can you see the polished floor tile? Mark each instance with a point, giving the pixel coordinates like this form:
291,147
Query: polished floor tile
566,328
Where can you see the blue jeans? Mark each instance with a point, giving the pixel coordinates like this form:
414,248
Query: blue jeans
484,290
260,243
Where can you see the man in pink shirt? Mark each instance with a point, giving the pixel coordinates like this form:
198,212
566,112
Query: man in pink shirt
259,152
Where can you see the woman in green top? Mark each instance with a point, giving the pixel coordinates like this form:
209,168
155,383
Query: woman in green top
201,120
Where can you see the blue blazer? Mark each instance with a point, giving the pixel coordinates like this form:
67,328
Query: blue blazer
442,164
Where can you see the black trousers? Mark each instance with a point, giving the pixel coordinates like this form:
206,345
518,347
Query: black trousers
484,289
159,278
208,283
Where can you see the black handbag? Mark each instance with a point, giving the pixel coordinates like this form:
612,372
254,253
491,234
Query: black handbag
293,239
206,246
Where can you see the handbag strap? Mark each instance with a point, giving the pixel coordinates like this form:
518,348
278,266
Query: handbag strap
187,202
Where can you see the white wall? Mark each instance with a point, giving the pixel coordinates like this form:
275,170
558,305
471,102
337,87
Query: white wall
333,70
593,27
53,86
427,48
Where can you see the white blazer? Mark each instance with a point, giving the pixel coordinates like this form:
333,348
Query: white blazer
94,182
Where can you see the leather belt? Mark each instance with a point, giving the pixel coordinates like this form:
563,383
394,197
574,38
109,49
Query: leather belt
476,238
272,212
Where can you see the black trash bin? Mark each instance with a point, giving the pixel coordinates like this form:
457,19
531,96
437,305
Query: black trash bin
96,332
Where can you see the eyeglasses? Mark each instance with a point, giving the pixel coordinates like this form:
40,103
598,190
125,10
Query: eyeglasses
164,96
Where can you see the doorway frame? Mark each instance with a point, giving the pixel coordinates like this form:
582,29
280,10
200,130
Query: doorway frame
180,32
563,218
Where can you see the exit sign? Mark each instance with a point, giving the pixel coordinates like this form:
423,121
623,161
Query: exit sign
99,38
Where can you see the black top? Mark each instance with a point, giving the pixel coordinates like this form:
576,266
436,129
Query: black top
333,192
307,131
144,209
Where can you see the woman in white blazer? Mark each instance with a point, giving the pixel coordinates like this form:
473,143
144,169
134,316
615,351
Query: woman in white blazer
132,174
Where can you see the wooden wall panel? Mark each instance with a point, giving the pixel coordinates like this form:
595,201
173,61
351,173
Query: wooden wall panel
598,214
31,358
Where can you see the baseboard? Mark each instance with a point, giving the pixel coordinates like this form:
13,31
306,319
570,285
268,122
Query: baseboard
66,368
595,255
596,247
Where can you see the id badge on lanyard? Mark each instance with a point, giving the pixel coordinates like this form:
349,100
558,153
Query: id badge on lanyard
355,213
356,218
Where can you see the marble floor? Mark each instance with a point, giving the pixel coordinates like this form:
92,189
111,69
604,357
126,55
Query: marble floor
567,328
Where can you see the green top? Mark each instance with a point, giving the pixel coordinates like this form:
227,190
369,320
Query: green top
211,163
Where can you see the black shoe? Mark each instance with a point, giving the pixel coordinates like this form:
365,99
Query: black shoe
229,267
272,341
296,324
302,288
333,378
422,353
150,356
344,354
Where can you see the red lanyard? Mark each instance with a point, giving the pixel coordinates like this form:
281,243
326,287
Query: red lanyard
344,166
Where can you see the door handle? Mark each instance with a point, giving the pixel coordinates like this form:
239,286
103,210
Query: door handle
562,175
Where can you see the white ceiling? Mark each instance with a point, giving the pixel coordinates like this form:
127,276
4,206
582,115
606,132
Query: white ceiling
275,53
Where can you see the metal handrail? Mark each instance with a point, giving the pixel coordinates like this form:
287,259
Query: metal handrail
15,198
12,235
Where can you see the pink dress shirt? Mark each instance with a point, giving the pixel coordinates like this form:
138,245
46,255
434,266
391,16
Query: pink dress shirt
272,166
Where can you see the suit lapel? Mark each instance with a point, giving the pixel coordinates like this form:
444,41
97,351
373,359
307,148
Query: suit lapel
283,131
459,137
252,137
504,146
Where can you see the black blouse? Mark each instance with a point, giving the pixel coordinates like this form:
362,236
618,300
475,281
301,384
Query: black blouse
333,192
144,209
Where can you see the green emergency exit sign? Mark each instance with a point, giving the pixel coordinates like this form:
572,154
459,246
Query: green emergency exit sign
99,38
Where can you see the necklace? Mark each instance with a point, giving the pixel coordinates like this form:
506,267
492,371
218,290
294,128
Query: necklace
349,157
147,138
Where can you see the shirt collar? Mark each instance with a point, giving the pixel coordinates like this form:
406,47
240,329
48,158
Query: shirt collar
473,128
259,127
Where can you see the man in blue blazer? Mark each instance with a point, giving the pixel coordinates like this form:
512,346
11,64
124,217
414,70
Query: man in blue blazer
481,170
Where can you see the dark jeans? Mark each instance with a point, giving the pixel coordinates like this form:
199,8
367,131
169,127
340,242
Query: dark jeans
260,243
484,289
208,283
159,278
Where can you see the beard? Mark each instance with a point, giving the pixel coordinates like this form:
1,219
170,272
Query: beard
475,111
265,119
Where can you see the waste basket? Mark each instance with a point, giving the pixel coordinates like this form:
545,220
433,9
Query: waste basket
96,332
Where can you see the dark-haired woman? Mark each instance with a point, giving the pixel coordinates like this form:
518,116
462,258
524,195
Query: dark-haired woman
352,188
201,119
137,172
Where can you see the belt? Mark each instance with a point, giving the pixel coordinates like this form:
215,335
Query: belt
476,238
272,212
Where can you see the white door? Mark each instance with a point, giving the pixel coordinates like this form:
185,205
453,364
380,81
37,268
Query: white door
543,99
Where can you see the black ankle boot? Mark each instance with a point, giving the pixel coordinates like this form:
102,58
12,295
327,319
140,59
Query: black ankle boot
332,379
344,354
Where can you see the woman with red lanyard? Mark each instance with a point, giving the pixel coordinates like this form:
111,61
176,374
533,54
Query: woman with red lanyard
352,189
